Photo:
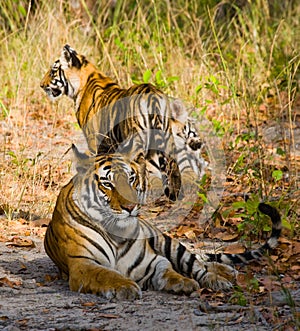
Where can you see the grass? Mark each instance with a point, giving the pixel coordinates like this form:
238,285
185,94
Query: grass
241,71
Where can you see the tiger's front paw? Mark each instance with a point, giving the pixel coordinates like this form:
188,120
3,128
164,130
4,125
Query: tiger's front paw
176,283
128,290
217,276
105,282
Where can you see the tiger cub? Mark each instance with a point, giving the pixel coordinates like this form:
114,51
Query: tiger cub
188,141
189,145
136,120
102,246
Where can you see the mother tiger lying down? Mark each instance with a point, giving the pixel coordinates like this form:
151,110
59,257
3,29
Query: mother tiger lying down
100,244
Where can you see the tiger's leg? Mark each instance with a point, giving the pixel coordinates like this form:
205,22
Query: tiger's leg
171,176
162,277
213,275
88,277
216,276
143,177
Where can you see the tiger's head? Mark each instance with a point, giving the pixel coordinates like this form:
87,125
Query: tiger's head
109,184
67,75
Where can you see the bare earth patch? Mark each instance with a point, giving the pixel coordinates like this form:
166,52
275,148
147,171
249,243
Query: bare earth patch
32,297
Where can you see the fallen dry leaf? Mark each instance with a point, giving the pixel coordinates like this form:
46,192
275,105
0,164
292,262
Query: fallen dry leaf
295,267
296,247
22,267
49,278
225,236
190,234
3,318
234,249
182,230
10,283
270,284
20,242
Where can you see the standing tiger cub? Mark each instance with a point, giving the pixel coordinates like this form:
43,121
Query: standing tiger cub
134,121
102,246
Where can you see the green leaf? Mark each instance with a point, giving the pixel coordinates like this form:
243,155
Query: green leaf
158,77
22,10
119,43
226,213
241,227
147,75
172,79
286,224
241,215
203,197
136,81
12,154
280,151
252,205
213,79
198,88
277,175
267,228
238,204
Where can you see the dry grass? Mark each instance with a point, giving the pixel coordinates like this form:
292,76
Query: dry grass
243,73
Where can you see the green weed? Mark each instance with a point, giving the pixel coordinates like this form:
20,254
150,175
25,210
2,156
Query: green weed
238,297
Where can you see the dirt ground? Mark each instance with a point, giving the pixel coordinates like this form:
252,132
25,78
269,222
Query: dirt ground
32,297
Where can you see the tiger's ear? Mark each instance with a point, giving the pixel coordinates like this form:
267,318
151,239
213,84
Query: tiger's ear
178,110
82,161
69,58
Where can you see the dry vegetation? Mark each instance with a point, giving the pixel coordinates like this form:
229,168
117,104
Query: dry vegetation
240,70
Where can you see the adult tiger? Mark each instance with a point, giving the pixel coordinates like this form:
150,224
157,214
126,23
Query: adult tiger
134,120
99,242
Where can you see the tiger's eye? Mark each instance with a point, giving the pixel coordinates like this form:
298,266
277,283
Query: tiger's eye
132,177
107,184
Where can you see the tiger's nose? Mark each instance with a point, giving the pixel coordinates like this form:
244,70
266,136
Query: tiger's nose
45,88
130,207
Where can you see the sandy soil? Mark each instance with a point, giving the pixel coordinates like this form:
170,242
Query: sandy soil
33,298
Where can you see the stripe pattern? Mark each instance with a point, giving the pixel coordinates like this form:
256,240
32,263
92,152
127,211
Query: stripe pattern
102,246
136,121
133,121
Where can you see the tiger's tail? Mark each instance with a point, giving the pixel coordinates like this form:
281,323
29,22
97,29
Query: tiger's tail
255,254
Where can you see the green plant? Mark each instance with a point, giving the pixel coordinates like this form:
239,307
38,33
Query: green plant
159,80
14,14
202,189
252,218
4,109
238,297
